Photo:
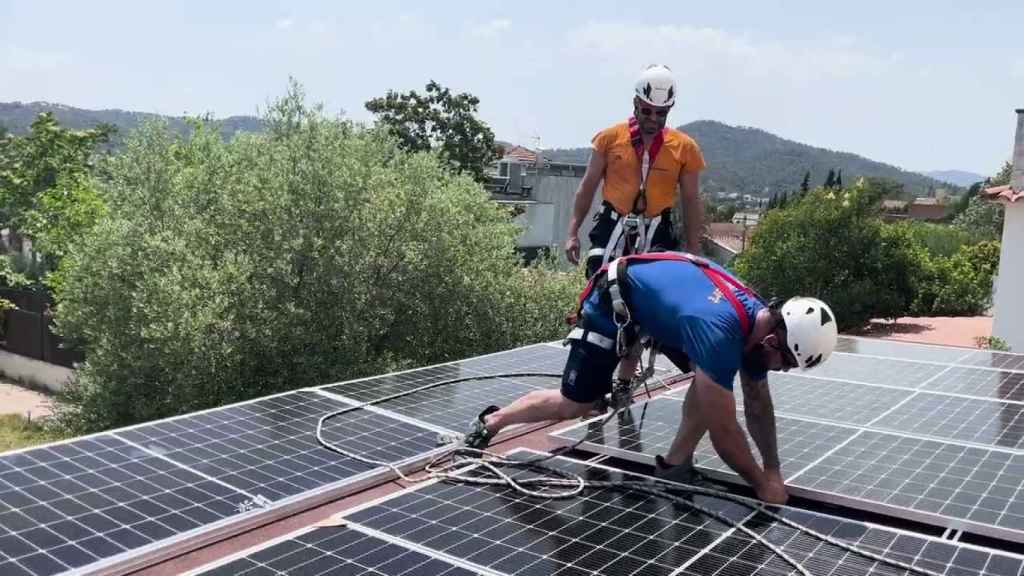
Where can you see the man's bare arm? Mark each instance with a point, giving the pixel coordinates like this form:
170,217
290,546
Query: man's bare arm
582,202
719,407
760,415
693,209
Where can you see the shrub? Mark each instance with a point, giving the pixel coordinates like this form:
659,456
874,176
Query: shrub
958,285
833,245
315,252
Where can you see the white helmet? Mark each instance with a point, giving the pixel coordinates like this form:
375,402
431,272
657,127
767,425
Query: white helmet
656,86
811,331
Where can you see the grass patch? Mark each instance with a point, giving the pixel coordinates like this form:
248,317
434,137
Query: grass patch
16,431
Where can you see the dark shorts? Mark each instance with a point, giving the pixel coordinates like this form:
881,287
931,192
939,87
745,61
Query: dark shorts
590,369
664,239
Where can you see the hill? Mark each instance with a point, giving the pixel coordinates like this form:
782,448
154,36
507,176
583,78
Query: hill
958,177
752,161
18,116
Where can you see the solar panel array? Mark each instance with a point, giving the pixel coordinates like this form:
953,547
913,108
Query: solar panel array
938,442
117,501
495,530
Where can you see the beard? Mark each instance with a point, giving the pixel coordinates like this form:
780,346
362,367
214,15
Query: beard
754,361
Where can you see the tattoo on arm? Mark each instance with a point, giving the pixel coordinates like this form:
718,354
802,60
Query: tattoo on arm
760,415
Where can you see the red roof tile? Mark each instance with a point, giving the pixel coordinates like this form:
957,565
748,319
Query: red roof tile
1005,193
521,154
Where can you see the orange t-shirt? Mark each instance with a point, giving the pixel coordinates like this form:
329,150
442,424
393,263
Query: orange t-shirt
679,153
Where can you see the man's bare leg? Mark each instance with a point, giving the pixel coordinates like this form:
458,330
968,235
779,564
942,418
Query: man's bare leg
691,429
537,406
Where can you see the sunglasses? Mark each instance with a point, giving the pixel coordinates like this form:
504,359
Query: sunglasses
788,358
660,113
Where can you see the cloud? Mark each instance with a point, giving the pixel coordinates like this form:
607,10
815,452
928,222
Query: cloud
692,50
490,29
284,23
29,59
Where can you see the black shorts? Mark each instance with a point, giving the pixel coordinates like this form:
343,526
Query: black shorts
664,239
590,369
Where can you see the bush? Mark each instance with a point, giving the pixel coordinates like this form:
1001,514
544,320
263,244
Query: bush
958,285
939,239
833,245
315,252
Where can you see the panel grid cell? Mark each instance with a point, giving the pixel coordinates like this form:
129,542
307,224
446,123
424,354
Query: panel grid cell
269,448
601,532
882,371
955,481
988,422
841,402
993,359
70,505
336,551
979,382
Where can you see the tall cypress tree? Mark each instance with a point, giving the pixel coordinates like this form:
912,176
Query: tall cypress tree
831,180
806,184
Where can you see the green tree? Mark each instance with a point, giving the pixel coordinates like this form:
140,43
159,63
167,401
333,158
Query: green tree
805,185
439,120
46,192
830,180
959,284
839,179
982,220
834,246
1002,178
314,252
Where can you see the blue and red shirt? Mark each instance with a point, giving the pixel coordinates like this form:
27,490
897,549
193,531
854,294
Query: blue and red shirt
678,304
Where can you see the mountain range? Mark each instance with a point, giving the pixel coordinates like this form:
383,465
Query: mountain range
752,161
739,159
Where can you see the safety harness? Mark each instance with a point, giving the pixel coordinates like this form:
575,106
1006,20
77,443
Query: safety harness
613,273
634,232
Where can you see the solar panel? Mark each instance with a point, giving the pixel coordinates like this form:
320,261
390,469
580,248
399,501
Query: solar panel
943,483
993,359
904,350
882,371
268,446
536,358
652,425
980,421
741,555
982,383
601,532
121,500
453,406
333,551
932,481
811,397
614,532
70,505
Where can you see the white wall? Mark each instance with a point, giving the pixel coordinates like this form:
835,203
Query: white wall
1009,302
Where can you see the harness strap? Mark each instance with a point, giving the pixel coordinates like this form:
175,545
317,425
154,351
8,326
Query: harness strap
722,281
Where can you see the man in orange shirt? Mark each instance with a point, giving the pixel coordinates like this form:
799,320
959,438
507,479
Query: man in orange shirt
641,162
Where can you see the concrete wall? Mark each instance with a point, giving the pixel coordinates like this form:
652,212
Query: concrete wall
34,373
1009,300
1008,323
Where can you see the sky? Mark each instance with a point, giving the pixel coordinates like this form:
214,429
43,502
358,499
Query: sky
924,85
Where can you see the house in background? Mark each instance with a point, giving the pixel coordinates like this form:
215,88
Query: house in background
540,192
1008,322
928,208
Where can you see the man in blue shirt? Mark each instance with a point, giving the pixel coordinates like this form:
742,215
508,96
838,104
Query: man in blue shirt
703,319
